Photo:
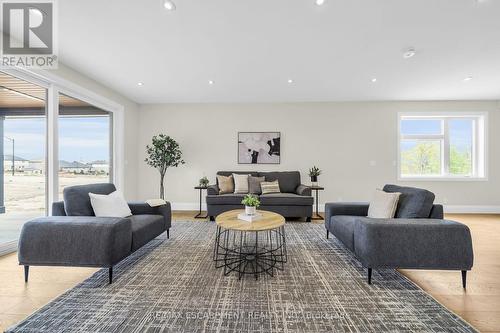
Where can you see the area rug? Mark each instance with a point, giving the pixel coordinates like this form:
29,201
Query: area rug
172,286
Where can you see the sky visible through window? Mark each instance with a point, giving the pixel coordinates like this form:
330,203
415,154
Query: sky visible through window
461,132
82,139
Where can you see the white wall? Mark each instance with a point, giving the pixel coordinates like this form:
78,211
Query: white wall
340,138
131,120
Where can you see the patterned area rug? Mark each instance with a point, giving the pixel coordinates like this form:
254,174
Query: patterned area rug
172,286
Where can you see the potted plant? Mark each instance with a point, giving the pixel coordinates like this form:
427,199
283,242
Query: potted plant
314,172
163,154
251,203
204,181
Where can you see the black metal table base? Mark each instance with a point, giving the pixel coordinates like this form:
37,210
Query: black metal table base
250,252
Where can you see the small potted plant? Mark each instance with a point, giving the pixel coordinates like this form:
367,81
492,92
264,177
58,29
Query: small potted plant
204,182
314,172
251,203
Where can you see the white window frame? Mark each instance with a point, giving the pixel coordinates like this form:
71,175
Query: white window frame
479,146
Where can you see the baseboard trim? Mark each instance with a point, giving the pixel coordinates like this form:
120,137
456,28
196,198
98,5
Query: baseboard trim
450,209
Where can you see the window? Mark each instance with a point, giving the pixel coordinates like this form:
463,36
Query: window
447,146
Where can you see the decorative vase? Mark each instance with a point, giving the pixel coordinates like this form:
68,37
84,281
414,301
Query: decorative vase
314,180
250,210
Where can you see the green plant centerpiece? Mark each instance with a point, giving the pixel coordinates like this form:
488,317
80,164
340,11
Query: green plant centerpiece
163,153
204,181
251,203
314,172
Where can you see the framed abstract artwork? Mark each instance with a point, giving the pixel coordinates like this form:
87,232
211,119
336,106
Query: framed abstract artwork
259,147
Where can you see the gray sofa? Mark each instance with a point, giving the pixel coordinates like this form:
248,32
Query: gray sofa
295,199
417,238
73,236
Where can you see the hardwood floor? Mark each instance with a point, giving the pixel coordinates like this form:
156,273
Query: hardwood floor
479,305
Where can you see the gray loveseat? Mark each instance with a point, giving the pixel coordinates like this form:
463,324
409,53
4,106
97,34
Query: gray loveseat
295,199
417,238
73,236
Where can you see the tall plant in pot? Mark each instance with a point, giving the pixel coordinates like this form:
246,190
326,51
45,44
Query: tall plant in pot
163,153
251,203
314,172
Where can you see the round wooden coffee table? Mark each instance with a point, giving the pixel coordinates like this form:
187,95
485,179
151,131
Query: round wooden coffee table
250,247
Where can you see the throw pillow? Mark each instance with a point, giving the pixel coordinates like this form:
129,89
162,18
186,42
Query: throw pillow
413,202
240,183
383,205
270,187
110,205
254,184
226,184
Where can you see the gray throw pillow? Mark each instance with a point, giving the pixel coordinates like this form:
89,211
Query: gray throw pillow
413,202
254,184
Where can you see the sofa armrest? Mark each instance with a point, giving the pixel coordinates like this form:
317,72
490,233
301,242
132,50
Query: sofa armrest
303,190
75,241
413,243
58,208
142,208
345,208
212,190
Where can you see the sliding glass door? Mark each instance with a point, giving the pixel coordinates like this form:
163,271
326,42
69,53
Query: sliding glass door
23,177
85,143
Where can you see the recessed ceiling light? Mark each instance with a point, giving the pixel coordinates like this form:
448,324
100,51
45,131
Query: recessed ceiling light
320,2
468,78
210,82
169,5
374,80
409,53
290,81
140,84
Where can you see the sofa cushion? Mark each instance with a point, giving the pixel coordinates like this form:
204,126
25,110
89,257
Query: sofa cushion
288,180
145,228
254,184
225,199
413,202
285,199
77,200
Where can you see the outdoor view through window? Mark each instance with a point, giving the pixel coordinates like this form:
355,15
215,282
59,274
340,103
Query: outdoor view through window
445,146
84,151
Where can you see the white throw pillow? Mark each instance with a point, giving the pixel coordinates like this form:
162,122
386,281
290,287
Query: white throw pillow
111,205
383,205
240,183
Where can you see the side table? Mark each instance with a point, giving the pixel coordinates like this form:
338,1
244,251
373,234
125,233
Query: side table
317,189
199,216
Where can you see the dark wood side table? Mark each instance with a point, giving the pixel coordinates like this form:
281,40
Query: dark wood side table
317,189
199,216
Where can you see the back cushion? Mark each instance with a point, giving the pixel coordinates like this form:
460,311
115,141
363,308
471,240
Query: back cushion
288,180
77,200
230,173
413,202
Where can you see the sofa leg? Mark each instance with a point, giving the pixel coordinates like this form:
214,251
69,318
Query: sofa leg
110,273
327,234
26,272
212,218
464,279
308,219
168,233
369,276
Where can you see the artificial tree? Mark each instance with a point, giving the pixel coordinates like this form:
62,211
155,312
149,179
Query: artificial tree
163,153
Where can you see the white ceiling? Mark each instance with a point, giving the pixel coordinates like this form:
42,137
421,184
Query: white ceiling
250,48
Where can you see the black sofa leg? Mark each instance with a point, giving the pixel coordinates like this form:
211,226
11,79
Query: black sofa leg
464,279
212,218
110,271
327,234
26,272
308,219
369,276
168,233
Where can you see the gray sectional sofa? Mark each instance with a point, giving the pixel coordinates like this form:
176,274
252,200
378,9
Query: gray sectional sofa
417,238
295,199
73,236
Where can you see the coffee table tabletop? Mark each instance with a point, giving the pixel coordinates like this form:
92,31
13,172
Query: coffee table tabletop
269,221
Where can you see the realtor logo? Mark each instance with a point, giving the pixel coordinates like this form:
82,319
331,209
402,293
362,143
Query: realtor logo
28,38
